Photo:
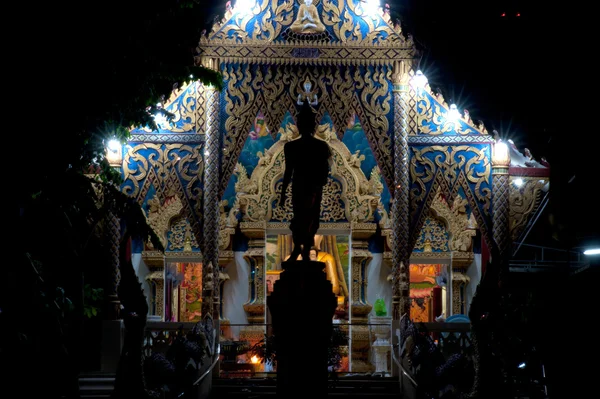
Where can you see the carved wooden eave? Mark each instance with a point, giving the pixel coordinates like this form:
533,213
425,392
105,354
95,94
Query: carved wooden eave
254,230
430,257
154,259
363,231
183,256
156,275
462,259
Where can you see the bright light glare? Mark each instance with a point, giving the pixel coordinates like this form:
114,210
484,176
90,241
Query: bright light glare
522,365
518,182
372,7
453,114
114,145
593,251
244,6
420,80
161,120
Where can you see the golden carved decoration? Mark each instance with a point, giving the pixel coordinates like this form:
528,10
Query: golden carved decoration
274,91
524,202
187,104
402,73
271,18
433,236
456,302
160,215
460,226
182,237
227,225
433,110
175,171
450,162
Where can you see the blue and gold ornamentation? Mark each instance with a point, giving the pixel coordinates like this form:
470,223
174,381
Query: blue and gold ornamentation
449,169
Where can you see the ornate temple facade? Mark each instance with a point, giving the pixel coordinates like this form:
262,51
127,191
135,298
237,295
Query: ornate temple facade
417,194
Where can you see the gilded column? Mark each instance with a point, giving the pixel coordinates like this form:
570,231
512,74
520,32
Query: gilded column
501,191
210,256
400,204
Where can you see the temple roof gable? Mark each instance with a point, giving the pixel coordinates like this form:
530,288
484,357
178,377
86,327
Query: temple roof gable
318,23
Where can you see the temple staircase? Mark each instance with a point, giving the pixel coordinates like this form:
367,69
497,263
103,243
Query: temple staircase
356,387
96,385
100,386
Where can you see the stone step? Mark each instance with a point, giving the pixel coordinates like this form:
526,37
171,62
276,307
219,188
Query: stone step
357,388
96,385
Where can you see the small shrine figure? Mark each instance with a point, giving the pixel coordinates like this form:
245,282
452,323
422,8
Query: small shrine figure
307,20
309,95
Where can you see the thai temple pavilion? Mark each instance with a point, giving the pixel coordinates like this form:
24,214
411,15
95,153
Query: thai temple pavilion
417,194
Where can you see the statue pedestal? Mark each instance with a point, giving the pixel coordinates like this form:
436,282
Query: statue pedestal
382,328
302,305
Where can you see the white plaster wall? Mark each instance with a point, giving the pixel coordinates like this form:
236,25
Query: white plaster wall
474,273
236,292
377,284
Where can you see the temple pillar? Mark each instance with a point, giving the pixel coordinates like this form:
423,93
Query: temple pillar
500,199
255,308
112,327
360,339
210,255
113,236
155,261
400,205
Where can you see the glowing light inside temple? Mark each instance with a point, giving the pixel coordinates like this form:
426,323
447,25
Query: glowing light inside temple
453,114
518,182
420,80
254,359
593,251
